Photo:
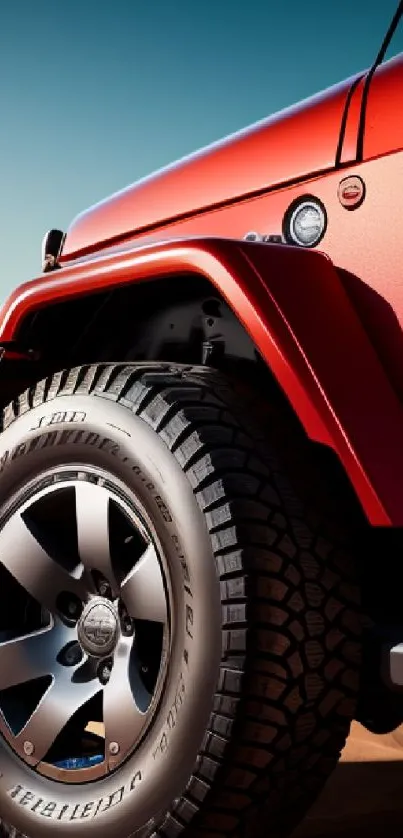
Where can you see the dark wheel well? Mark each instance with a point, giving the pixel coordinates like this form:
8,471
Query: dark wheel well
168,317
182,319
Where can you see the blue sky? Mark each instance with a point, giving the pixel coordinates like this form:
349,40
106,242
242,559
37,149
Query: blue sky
95,94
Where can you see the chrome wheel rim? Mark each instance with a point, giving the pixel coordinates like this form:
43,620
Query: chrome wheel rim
85,666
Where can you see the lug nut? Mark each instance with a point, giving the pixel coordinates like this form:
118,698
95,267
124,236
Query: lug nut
126,623
28,748
71,655
113,748
73,607
69,605
104,671
127,627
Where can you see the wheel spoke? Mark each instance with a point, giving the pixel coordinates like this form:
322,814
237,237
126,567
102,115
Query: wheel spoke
27,658
92,511
32,567
123,696
143,589
58,705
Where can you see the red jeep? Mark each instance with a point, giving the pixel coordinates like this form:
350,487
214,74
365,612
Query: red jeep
201,472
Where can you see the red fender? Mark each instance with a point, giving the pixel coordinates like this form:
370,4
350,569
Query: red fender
294,306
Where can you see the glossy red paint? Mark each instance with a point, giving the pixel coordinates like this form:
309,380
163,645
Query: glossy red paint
96,228
277,150
291,302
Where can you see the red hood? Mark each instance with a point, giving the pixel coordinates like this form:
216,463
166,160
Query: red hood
289,145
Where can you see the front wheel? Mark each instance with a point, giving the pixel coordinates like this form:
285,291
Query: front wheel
179,648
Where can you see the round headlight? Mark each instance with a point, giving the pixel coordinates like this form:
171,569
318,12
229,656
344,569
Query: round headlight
306,224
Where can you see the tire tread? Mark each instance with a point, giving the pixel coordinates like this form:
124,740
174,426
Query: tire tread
290,604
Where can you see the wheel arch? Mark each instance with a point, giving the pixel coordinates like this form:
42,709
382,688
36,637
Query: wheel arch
285,312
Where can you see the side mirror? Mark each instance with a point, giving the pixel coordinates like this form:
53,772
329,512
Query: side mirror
52,244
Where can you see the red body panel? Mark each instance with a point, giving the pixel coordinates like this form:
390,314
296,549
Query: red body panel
331,329
279,149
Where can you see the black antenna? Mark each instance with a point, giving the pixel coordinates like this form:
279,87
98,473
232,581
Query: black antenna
388,37
378,60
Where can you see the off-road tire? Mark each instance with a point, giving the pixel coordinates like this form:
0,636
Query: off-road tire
290,608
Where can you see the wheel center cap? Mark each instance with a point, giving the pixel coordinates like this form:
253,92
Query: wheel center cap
98,628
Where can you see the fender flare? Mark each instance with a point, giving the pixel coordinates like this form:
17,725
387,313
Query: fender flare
295,308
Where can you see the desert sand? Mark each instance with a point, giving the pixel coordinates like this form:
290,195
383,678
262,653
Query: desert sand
364,797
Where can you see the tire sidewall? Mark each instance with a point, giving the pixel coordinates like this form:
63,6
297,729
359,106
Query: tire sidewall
95,431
